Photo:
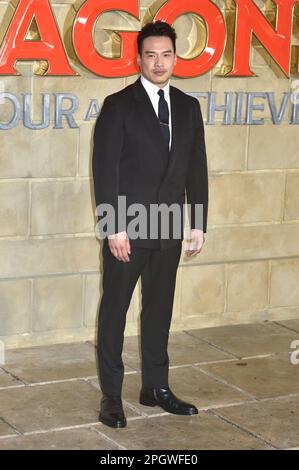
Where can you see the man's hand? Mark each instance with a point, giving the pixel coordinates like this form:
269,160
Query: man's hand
196,242
119,245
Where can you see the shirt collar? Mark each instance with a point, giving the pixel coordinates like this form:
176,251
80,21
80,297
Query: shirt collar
153,89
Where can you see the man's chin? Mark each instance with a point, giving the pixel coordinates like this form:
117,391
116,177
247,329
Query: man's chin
159,80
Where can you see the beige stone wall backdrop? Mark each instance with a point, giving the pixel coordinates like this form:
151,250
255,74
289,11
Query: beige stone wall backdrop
50,263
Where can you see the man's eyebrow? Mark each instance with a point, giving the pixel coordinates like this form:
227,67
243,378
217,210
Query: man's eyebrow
154,52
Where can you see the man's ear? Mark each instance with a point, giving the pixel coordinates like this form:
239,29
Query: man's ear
138,59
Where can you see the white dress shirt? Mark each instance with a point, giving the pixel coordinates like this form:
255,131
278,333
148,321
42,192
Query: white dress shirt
152,91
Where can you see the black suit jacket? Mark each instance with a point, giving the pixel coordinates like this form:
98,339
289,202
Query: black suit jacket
131,158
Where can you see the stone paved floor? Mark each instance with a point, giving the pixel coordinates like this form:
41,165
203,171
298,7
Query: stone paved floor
240,377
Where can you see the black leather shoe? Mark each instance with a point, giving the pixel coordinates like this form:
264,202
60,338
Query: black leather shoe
164,398
112,413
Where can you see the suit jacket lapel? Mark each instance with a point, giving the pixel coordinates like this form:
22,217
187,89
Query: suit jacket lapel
176,125
175,116
152,125
149,116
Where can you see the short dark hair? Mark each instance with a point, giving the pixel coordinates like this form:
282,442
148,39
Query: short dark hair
156,28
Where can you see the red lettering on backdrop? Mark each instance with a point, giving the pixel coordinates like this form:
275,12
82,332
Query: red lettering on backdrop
249,19
277,42
83,39
15,46
126,65
216,34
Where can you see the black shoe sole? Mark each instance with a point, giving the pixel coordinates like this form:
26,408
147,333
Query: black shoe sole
182,413
113,424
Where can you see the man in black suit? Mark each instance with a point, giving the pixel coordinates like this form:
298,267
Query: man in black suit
148,147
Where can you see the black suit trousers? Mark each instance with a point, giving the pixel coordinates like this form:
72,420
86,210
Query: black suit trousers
158,269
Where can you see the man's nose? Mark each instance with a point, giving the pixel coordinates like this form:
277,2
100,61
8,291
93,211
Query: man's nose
158,61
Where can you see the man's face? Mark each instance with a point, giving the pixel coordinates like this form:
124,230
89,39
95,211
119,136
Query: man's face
157,59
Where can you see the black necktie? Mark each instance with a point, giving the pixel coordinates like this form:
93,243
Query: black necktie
163,115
